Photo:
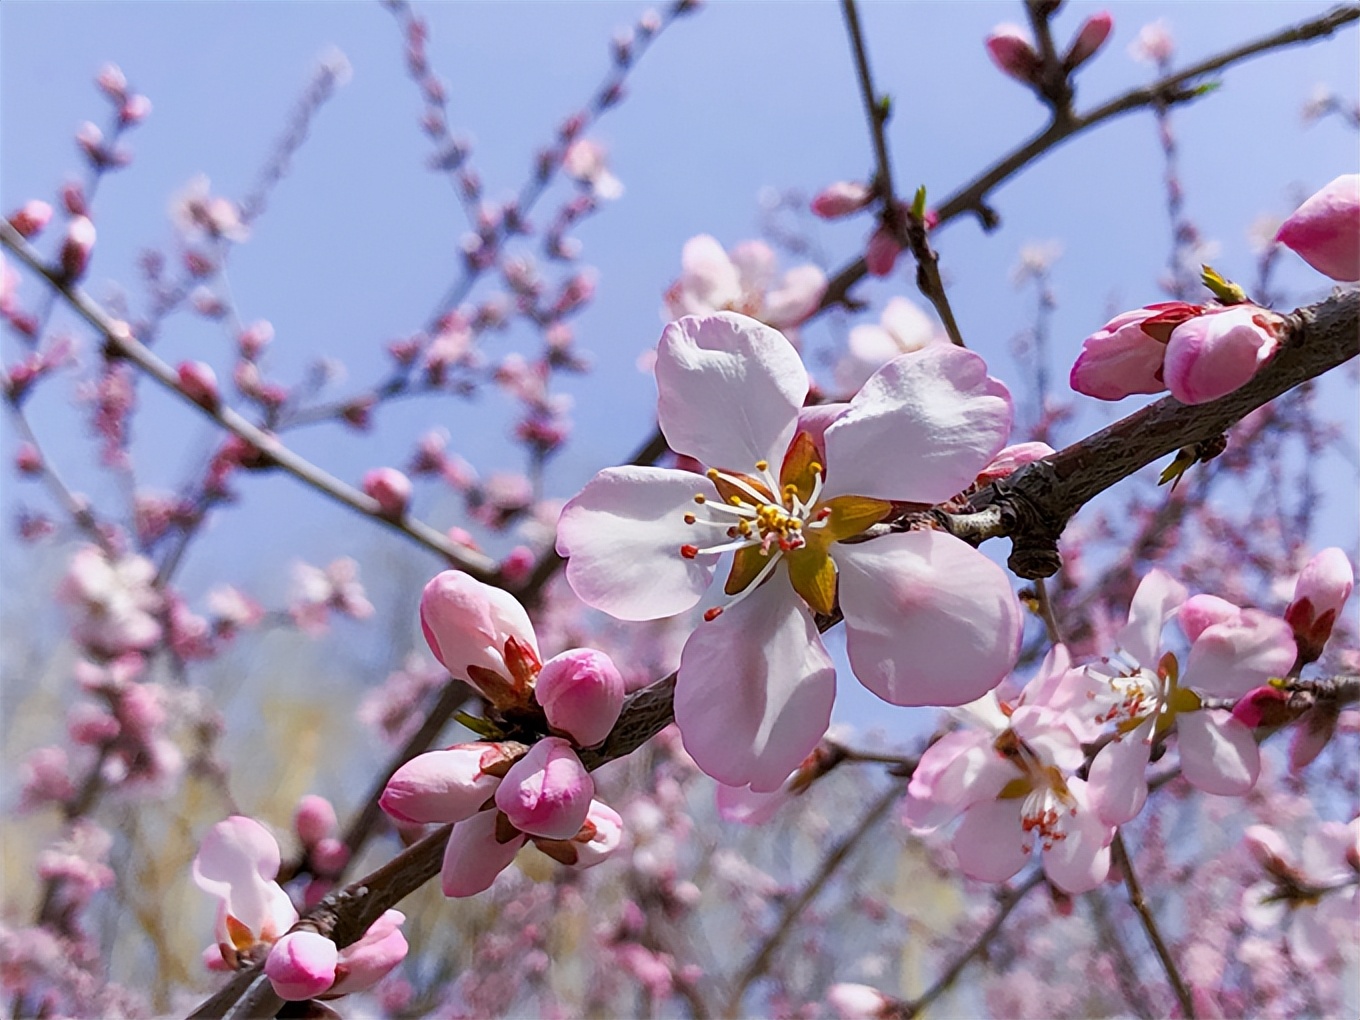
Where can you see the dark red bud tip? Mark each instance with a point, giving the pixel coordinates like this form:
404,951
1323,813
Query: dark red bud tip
712,614
689,551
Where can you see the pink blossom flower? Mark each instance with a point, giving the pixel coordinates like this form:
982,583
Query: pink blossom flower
1143,692
198,213
1319,595
902,329
237,863
306,965
858,1002
1213,354
1012,778
581,691
114,601
547,792
929,620
841,199
1313,894
316,592
448,785
586,161
1325,230
1153,44
1010,48
482,634
712,280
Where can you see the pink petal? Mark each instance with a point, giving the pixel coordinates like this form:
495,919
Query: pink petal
607,837
581,691
1157,598
729,390
990,844
745,806
301,965
1218,753
1118,778
1229,659
708,278
473,858
1081,860
1203,611
929,620
237,862
796,297
1120,359
442,786
920,429
1325,230
958,770
467,623
547,792
1218,352
622,536
373,957
755,689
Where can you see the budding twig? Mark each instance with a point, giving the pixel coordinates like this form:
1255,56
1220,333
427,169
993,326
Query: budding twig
1140,906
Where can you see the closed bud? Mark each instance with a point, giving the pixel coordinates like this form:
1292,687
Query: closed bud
198,382
448,785
547,792
581,692
1011,51
314,819
880,255
1090,38
1325,230
31,218
842,199
75,250
1319,595
301,965
482,634
390,489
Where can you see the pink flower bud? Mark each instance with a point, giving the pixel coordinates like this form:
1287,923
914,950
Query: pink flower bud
198,382
1264,706
301,965
75,250
112,82
1213,354
1125,355
857,1002
517,565
1090,38
880,255
1325,230
254,338
1200,612
475,856
599,837
1319,594
329,856
391,489
445,786
842,199
369,960
31,218
473,628
1010,50
314,819
1012,459
27,459
581,692
548,791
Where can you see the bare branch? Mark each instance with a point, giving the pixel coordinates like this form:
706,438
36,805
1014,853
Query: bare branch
1173,974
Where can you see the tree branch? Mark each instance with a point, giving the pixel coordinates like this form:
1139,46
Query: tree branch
1140,906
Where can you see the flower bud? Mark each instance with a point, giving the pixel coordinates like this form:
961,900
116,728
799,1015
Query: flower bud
548,791
314,819
1010,50
1012,459
475,856
857,1002
581,692
1325,230
135,110
31,218
480,633
1125,355
1089,39
880,255
1213,354
842,199
1264,706
447,785
198,382
599,837
1319,594
75,250
369,960
391,489
301,965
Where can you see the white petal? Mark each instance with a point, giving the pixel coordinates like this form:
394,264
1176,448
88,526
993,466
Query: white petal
622,536
1218,753
755,689
729,390
929,620
1081,860
920,429
1157,598
1118,778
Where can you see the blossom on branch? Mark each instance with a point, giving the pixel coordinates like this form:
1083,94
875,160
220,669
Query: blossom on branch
929,620
1325,230
713,280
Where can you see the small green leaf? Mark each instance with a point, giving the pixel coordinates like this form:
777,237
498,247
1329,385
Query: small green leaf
1225,290
918,203
478,725
1185,459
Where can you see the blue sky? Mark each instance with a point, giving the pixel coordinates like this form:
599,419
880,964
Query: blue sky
360,240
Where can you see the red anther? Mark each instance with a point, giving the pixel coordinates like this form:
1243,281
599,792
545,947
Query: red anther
690,518
823,513
712,614
689,551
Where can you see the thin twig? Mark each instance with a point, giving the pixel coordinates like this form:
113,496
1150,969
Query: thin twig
1140,906
760,960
